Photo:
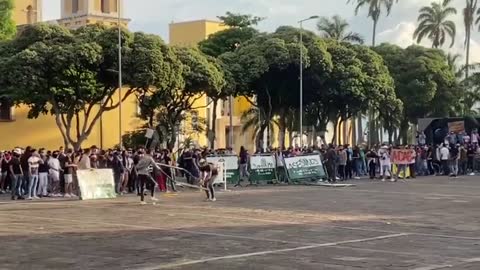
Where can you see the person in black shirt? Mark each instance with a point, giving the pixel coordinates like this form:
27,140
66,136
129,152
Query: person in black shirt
43,174
4,175
18,176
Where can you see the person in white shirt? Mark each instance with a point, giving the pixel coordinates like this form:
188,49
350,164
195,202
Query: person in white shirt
84,161
33,164
385,163
444,156
55,170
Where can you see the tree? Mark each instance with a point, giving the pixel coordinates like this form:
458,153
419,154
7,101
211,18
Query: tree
73,75
7,25
469,20
256,118
166,108
434,24
375,8
424,82
216,45
239,20
267,67
336,28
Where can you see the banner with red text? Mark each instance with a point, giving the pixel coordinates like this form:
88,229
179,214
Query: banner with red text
403,156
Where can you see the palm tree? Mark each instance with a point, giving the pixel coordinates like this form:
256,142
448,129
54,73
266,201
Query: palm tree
434,24
374,11
375,8
336,28
468,21
260,121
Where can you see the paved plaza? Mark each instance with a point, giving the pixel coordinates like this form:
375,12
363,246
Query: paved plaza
422,224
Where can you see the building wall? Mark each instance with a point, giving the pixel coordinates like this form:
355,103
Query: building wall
43,132
25,8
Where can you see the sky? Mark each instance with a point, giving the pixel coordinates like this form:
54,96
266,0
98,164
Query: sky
153,16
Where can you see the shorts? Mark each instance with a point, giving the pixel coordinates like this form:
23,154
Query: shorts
68,178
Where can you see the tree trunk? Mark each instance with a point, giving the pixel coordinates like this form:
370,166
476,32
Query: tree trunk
259,136
353,130
390,136
467,69
335,131
214,124
359,138
345,131
404,131
282,129
374,34
314,137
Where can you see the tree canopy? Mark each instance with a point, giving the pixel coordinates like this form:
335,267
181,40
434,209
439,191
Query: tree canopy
7,25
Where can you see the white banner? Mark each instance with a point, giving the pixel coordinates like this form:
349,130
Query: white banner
231,162
96,184
262,162
220,178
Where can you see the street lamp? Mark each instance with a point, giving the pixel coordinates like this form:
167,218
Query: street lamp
120,83
301,74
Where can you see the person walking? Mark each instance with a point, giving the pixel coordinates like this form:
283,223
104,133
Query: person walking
444,157
144,163
243,162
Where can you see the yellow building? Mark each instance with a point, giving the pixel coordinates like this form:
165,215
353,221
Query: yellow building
190,34
78,13
27,11
15,127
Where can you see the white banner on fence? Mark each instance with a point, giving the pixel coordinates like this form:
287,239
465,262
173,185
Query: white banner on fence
262,162
96,184
231,162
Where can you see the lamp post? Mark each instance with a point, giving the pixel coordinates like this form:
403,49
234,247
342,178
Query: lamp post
120,83
301,74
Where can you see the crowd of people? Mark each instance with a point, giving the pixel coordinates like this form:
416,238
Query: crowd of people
31,174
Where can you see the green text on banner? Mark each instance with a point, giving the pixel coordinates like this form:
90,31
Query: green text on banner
231,166
96,184
305,167
262,168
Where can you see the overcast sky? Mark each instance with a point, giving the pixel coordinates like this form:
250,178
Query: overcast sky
153,16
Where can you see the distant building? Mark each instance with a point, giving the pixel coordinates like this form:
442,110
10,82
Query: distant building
18,130
78,13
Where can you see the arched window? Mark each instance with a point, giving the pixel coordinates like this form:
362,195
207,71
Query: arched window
75,6
30,14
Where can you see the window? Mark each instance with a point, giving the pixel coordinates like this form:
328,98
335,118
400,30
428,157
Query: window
75,6
5,111
105,6
114,7
30,14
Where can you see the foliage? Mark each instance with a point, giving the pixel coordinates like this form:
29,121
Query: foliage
375,8
336,28
424,82
73,75
240,20
7,25
434,24
166,108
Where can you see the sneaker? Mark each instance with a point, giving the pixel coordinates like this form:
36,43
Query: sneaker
67,195
214,200
383,180
357,178
29,198
154,199
395,180
36,197
143,203
73,195
472,174
2,191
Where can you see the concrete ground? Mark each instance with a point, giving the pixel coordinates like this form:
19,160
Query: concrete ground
423,224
